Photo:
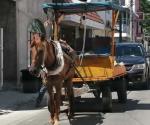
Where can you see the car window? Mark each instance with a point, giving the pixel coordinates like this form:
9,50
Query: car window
129,51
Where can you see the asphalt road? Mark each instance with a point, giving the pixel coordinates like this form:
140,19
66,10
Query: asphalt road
88,112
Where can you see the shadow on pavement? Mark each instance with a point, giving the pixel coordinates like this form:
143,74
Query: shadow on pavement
137,87
87,119
136,105
88,105
11,101
129,106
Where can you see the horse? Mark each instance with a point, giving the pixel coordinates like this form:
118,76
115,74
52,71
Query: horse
56,72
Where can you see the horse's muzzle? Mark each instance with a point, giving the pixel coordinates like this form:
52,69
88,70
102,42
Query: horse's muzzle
33,71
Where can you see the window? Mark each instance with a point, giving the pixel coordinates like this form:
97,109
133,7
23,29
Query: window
129,50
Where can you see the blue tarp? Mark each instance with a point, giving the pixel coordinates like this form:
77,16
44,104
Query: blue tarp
73,8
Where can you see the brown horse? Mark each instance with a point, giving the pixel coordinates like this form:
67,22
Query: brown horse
56,72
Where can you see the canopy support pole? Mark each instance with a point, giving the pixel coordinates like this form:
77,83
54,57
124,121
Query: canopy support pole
114,21
55,31
58,18
120,27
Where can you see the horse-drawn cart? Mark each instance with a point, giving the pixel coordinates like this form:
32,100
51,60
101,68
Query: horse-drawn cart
99,71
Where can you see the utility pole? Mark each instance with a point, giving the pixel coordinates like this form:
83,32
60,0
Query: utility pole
120,24
1,52
120,27
131,20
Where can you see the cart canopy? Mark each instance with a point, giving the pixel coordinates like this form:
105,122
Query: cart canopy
73,8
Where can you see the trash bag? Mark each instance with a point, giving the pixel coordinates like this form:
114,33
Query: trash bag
30,83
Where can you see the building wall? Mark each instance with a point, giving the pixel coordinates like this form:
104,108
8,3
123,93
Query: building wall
8,23
27,10
136,25
138,32
106,16
93,26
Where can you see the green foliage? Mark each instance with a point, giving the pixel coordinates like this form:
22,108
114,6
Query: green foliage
145,7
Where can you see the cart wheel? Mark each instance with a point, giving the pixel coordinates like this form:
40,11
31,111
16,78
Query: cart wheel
97,93
122,90
106,99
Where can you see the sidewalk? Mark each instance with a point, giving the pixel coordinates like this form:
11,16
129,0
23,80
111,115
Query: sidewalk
10,100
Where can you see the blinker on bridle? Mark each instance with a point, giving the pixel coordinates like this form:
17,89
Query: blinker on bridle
43,68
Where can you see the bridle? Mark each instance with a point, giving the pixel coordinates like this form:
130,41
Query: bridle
42,70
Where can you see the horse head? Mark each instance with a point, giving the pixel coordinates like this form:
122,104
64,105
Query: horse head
37,57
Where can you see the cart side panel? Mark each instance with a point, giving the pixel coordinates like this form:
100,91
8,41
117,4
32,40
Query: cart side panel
119,70
95,67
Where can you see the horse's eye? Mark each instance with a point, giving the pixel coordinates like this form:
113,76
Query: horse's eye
32,45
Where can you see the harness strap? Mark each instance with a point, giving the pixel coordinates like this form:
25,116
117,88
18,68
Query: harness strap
59,58
74,66
43,74
43,68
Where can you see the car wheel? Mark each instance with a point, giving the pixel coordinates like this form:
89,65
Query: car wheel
146,83
122,90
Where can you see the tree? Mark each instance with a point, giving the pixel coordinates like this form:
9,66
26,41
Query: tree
145,7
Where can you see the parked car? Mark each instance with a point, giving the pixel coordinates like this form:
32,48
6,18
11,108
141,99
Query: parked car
134,57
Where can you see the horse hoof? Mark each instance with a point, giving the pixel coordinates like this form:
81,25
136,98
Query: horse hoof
56,123
51,121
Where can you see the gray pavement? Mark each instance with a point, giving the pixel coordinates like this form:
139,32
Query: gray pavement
11,100
135,112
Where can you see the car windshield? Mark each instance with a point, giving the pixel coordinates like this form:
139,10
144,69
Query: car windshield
129,51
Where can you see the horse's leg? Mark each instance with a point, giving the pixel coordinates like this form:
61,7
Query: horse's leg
70,94
57,98
51,104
